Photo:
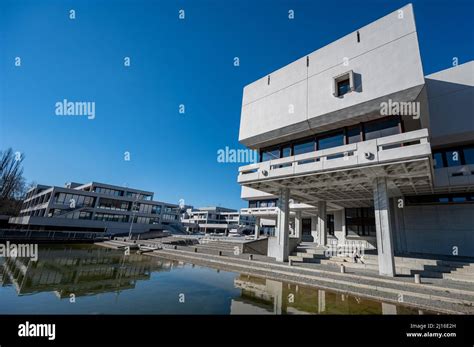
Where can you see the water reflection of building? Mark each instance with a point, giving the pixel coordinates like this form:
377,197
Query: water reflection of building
79,270
264,296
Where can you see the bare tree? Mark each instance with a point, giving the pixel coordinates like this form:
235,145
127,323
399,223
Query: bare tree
12,183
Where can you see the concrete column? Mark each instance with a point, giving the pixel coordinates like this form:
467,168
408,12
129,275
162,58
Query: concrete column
314,229
298,226
283,225
340,226
275,289
383,229
322,215
321,301
389,308
257,228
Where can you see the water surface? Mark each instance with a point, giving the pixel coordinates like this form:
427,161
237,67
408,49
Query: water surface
87,279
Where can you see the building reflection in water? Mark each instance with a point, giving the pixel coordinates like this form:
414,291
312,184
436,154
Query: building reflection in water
87,270
79,270
265,296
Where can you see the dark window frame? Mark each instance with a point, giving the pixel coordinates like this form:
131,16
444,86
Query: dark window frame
315,138
460,149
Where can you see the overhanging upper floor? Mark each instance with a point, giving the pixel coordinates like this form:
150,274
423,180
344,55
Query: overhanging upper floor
338,85
345,174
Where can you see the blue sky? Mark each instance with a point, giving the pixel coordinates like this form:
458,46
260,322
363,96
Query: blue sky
173,62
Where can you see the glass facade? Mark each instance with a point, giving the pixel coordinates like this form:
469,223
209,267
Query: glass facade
109,217
305,147
458,156
440,199
64,213
79,200
112,204
360,221
353,135
335,138
381,128
262,203
108,191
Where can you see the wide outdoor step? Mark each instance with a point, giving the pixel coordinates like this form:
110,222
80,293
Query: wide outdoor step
459,277
309,255
465,270
299,259
414,263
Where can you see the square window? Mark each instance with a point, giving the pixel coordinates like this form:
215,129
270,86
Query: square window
343,84
343,87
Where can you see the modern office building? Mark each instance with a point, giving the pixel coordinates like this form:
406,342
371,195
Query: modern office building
381,154
97,207
217,220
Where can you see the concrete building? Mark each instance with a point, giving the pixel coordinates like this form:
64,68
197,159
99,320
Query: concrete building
381,155
97,207
217,220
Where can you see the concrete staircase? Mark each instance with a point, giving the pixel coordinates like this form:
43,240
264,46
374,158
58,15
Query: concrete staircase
431,267
214,246
308,253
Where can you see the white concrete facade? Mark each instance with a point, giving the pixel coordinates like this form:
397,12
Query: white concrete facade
366,188
217,220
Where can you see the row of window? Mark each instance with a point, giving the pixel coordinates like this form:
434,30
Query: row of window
60,213
170,217
111,204
108,191
37,201
34,213
360,221
75,199
106,217
138,196
440,199
262,203
116,192
146,208
463,155
343,136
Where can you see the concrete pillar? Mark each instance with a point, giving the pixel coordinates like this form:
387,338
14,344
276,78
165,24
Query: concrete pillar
389,309
283,225
340,226
298,226
257,228
322,215
314,229
321,301
275,289
383,229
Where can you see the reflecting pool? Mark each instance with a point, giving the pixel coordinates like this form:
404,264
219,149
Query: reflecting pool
87,279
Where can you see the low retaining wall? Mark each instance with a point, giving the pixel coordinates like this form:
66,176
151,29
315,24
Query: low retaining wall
259,246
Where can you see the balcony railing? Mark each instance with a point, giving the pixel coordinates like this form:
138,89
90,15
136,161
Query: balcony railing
405,146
